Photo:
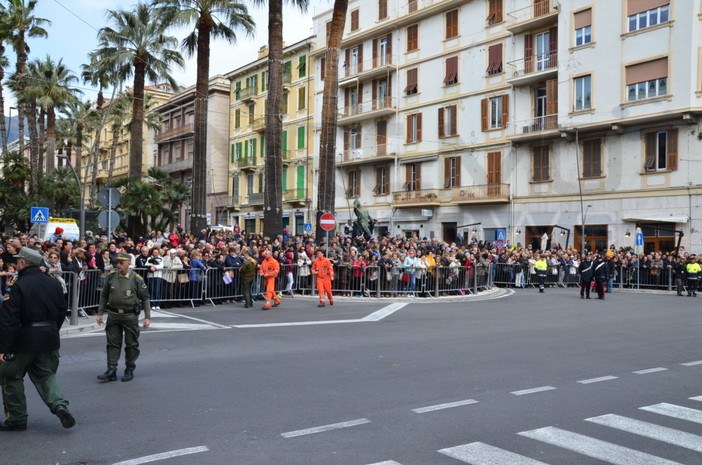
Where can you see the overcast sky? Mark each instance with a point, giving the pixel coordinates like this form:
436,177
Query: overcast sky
74,26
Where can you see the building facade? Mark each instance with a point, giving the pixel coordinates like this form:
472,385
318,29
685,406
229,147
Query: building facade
508,119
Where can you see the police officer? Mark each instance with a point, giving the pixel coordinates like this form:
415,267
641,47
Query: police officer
692,269
541,267
121,295
29,327
601,274
586,273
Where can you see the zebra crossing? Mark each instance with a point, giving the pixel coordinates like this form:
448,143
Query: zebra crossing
640,431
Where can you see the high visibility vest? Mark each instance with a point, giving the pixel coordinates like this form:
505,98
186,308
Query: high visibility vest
323,268
693,270
541,265
270,268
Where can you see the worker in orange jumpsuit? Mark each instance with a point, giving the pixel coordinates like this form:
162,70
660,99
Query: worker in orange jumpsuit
324,270
270,267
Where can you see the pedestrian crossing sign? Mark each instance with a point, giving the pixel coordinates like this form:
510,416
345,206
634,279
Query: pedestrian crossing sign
39,215
500,234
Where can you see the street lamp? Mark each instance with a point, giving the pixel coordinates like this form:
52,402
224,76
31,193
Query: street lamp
582,230
81,225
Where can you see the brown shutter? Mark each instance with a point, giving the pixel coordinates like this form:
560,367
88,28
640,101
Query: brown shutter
346,100
386,182
505,111
528,53
359,137
389,48
360,58
412,37
582,19
411,80
651,144
346,140
553,47
441,123
551,103
639,6
382,9
374,95
494,171
451,70
648,71
360,95
408,131
408,177
347,62
375,52
447,172
389,96
454,120
354,20
419,127
323,64
418,174
672,149
484,114
498,11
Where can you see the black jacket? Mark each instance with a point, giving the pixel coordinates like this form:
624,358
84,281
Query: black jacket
601,271
30,320
586,270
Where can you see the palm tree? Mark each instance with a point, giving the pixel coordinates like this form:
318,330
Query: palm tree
212,19
273,197
61,185
139,38
80,116
15,170
5,34
24,25
327,138
52,90
98,73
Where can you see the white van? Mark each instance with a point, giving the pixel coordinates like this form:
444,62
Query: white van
71,231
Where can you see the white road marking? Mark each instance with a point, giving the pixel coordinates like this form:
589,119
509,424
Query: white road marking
692,364
650,370
387,462
478,453
385,312
595,448
433,408
675,411
597,380
164,455
649,430
524,392
375,316
322,429
698,398
195,319
179,326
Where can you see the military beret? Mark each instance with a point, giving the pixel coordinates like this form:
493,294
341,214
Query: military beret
124,256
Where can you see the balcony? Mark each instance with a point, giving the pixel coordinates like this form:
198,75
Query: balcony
234,202
384,106
419,197
259,124
297,196
532,69
186,129
350,74
533,128
246,162
255,199
178,165
373,154
540,14
287,79
248,93
485,193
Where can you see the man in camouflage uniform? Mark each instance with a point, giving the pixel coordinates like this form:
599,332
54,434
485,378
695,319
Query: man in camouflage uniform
121,296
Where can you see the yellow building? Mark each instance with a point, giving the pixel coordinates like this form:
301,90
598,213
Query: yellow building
249,91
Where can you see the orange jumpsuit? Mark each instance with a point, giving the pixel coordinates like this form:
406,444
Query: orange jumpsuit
324,270
270,267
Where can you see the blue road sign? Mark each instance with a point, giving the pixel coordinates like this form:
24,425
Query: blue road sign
500,235
308,227
639,239
39,215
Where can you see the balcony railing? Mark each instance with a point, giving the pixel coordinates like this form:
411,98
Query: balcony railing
259,124
524,16
533,64
180,130
385,103
365,153
380,62
255,199
419,196
233,201
287,78
245,162
534,125
248,92
476,194
298,193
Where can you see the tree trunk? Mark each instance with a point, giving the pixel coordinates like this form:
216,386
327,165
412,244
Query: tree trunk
326,190
50,139
116,134
273,195
34,149
21,72
198,219
21,111
3,126
136,127
39,133
79,148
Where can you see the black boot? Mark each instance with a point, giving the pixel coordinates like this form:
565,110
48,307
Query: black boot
109,375
128,375
67,420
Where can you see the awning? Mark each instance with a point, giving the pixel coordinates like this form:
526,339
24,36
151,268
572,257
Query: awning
657,219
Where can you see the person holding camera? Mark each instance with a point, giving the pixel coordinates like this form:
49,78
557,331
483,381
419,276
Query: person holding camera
124,295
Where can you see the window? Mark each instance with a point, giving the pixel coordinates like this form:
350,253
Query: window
354,189
381,131
647,80
494,59
583,96
452,172
494,112
661,149
540,163
494,11
382,9
382,51
414,128
301,137
541,51
447,121
452,24
237,118
411,6
354,20
302,66
592,158
582,23
353,138
322,68
494,173
646,13
451,76
252,110
264,81
301,98
382,181
411,88
284,106
413,38
237,89
413,175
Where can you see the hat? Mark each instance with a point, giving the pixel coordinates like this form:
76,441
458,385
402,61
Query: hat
29,255
124,256
59,230
172,251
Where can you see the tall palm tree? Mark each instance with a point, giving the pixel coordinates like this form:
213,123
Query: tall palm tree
98,73
327,138
24,25
212,19
5,35
140,39
51,87
80,116
273,196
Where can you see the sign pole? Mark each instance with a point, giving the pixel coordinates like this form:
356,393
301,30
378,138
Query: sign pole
327,244
109,217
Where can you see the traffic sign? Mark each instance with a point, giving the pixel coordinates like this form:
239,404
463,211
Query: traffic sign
108,219
500,235
639,239
327,222
39,215
109,197
308,227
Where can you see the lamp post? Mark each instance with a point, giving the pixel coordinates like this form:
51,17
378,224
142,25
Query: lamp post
582,231
81,224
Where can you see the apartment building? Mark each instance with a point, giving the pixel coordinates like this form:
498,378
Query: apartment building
174,145
247,139
514,118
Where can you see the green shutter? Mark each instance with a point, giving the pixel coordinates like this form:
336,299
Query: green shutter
233,152
302,66
253,150
285,140
246,149
285,179
237,89
300,182
301,137
238,151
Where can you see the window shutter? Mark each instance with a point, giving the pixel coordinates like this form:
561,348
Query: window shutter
457,177
408,177
360,94
447,172
346,140
417,176
484,114
408,135
451,70
284,183
354,20
246,148
419,127
347,61
389,52
453,129
382,9
553,47
360,58
639,6
233,152
441,123
551,103
239,150
374,96
301,137
375,52
528,53
505,111
346,100
672,149
323,70
582,19
386,181
253,148
411,81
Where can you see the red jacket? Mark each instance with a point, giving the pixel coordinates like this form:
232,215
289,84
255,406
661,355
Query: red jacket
270,267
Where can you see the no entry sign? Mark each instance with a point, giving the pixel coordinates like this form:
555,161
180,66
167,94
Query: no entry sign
327,221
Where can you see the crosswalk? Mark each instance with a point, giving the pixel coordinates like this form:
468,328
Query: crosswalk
640,431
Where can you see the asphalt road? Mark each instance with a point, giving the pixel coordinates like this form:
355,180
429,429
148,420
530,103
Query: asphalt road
524,379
